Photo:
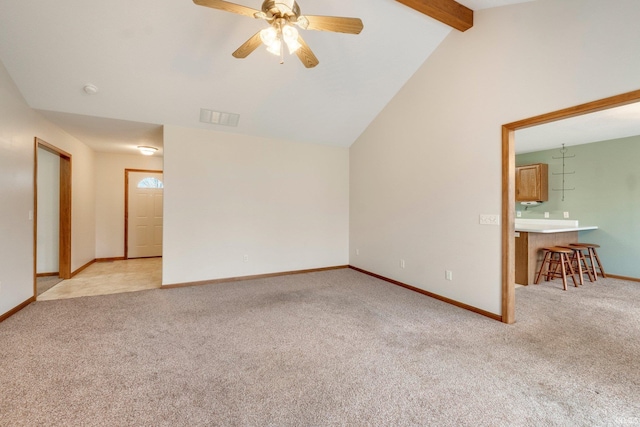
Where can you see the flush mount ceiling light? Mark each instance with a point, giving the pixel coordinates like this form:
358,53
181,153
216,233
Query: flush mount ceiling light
146,150
282,15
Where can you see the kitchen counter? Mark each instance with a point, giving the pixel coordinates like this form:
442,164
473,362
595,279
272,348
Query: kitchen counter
534,234
550,226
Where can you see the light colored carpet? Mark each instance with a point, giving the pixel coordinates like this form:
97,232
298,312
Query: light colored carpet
330,348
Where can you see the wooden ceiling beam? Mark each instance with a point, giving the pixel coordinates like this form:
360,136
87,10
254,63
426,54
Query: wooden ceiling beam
449,12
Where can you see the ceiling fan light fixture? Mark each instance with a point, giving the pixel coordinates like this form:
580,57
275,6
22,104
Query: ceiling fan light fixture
275,47
269,36
293,46
290,36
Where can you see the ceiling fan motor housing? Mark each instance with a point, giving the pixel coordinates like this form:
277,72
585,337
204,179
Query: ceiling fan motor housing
287,9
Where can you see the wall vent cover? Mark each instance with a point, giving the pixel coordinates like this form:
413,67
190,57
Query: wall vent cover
219,118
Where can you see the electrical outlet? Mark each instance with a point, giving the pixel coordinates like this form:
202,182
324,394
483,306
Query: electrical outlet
490,219
519,214
357,251
448,274
546,214
566,214
245,258
401,263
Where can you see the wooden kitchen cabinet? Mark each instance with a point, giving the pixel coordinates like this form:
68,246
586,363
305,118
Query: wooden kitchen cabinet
532,183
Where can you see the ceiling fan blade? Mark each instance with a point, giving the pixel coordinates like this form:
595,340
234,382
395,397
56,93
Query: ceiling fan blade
305,54
335,24
248,46
226,6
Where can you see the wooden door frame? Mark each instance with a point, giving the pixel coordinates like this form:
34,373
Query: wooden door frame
508,184
64,238
126,204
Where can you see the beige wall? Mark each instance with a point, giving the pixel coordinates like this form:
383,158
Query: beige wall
430,164
19,124
283,204
110,198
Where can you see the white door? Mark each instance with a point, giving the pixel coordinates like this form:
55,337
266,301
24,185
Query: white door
144,235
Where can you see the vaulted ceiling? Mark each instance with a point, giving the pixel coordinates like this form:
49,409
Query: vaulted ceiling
157,62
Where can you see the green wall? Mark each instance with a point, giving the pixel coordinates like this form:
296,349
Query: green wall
606,194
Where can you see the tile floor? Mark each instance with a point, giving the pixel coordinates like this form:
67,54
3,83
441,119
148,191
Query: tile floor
102,278
43,284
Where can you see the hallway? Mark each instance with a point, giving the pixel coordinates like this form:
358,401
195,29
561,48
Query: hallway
103,278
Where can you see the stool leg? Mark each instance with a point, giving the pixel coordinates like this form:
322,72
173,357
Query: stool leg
545,260
593,263
595,254
554,266
586,267
576,258
564,272
573,273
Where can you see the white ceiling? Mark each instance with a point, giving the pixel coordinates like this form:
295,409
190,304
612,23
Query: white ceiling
158,62
619,122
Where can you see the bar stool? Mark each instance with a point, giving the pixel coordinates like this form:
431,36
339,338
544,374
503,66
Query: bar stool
556,257
593,257
580,263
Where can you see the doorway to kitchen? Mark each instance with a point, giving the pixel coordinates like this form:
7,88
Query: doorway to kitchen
508,185
51,216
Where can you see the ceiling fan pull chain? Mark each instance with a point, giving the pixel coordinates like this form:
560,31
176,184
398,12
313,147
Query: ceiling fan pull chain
280,25
281,53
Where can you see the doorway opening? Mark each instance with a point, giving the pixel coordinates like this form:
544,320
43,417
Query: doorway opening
508,185
143,213
52,222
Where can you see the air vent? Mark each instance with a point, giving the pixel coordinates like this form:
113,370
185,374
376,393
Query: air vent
219,118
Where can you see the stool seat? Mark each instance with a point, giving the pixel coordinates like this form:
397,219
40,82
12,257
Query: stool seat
557,258
559,249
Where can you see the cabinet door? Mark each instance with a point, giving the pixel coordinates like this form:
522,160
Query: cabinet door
531,183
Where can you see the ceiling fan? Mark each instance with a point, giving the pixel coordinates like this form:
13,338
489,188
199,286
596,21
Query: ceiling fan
283,16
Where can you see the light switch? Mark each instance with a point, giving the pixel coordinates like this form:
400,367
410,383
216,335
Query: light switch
490,219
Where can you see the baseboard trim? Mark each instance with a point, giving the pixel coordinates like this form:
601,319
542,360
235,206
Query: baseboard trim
120,258
83,267
16,309
431,294
256,276
631,279
55,273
